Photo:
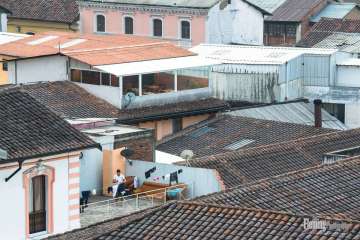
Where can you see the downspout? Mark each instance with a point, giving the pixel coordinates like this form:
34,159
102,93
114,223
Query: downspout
287,82
16,75
16,171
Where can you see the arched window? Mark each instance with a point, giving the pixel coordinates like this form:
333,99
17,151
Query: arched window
157,28
185,29
128,25
100,23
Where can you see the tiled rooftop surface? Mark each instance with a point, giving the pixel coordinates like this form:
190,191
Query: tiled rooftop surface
29,130
63,11
216,136
189,220
332,190
253,164
94,49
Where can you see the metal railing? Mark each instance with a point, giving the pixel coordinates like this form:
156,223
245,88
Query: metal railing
115,207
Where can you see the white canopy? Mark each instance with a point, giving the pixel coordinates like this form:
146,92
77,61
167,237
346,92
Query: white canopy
153,66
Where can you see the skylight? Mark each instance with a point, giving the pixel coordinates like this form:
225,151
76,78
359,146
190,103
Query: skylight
201,131
42,40
72,43
239,144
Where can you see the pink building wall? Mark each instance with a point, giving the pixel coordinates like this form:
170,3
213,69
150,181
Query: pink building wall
143,24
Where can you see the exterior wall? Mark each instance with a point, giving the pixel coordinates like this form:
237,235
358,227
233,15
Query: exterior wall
282,40
3,22
353,14
352,115
64,186
200,181
348,76
33,26
112,95
114,15
31,70
188,121
112,160
237,23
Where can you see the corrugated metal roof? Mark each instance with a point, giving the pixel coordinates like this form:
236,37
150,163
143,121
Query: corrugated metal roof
6,37
268,5
346,42
334,10
237,54
299,112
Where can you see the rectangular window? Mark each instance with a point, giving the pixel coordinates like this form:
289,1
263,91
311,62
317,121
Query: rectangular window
37,206
158,83
91,77
185,29
290,30
275,29
100,23
75,75
193,78
157,28
177,125
129,25
114,81
5,66
131,84
105,79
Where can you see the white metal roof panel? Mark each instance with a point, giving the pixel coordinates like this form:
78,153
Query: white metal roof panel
350,62
334,10
10,37
238,54
161,65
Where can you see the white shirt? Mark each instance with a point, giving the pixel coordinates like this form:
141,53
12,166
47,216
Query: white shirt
119,179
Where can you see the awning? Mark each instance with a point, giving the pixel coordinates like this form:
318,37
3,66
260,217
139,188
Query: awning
153,66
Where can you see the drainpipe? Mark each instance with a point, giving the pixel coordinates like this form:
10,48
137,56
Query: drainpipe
317,113
16,75
287,82
16,171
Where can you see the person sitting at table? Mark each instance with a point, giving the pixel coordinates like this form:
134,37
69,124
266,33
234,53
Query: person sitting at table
119,184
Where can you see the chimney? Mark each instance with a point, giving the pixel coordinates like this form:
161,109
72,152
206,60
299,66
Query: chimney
317,113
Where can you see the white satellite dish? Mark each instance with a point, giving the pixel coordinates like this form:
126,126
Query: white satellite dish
128,98
187,155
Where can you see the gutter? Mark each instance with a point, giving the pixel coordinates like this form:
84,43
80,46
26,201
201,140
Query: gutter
170,115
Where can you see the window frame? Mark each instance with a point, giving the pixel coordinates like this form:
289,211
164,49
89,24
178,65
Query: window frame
96,23
124,24
153,27
180,29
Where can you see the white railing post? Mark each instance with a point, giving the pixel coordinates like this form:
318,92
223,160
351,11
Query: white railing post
137,201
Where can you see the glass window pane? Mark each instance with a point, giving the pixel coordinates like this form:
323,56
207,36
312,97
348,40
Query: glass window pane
105,79
185,29
129,25
91,77
157,27
158,83
131,84
114,81
100,23
193,78
75,75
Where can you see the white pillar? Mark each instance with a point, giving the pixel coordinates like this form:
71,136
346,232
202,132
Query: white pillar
175,81
140,84
120,89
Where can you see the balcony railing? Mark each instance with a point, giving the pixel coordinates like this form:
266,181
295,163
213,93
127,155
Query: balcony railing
115,207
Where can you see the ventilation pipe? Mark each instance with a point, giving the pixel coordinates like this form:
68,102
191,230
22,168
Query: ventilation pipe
317,113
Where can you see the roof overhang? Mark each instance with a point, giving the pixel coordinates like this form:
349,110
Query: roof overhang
153,66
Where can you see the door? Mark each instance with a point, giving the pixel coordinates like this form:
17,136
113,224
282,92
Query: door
37,206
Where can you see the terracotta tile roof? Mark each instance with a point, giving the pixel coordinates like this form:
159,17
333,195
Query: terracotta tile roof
332,189
294,10
325,27
239,167
29,130
63,11
171,110
69,100
189,220
216,135
93,49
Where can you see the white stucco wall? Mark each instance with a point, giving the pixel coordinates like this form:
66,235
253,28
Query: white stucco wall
237,23
52,68
348,76
12,207
3,22
352,115
109,94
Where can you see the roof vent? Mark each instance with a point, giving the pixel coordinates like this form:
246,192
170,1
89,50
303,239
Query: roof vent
201,131
332,157
42,40
239,144
3,154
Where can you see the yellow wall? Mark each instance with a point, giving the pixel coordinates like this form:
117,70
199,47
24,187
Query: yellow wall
3,75
112,160
36,26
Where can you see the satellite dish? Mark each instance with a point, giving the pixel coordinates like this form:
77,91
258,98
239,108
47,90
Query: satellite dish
127,152
128,98
187,155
